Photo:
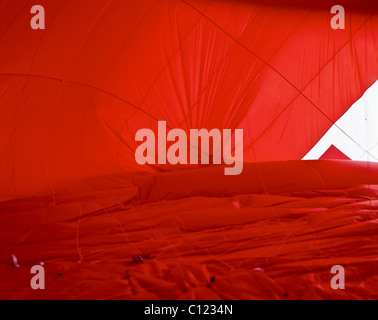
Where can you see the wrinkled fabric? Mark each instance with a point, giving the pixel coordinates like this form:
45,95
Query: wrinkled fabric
275,237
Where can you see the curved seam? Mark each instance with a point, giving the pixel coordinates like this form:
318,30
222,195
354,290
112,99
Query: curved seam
82,84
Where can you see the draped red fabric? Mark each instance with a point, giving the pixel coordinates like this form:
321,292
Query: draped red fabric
73,97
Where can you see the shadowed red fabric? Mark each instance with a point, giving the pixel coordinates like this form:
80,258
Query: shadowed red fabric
72,196
276,236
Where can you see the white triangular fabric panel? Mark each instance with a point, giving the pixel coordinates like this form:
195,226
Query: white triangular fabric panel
355,133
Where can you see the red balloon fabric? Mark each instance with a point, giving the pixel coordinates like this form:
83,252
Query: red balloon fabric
273,232
74,95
